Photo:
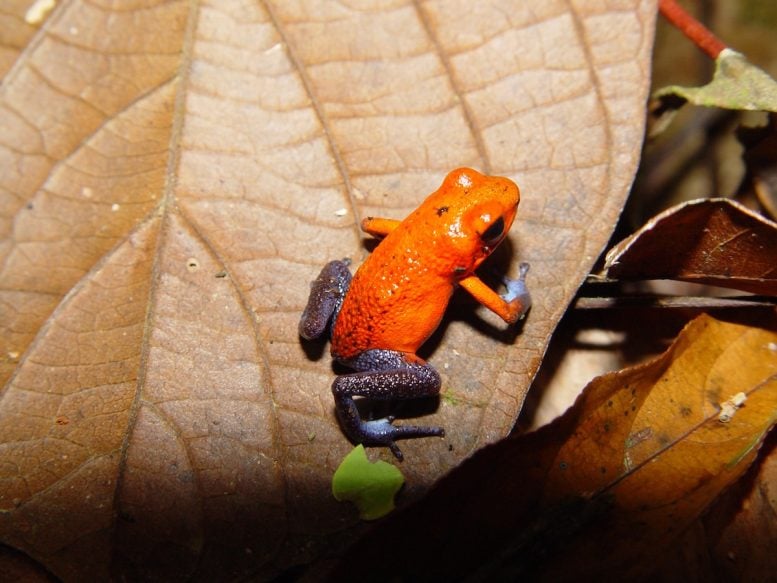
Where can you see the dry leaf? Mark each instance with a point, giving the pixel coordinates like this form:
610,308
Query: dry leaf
608,486
712,241
15,31
732,541
174,175
736,541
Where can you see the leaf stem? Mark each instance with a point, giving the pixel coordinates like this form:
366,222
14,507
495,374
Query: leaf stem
699,34
673,302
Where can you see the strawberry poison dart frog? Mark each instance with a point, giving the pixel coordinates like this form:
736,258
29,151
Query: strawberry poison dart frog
395,301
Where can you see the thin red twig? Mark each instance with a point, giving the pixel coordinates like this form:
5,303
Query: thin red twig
701,36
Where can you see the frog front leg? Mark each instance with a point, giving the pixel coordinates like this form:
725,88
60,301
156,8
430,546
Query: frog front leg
384,374
510,306
327,292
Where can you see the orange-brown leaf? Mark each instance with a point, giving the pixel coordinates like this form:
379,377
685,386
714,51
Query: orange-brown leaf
731,542
625,471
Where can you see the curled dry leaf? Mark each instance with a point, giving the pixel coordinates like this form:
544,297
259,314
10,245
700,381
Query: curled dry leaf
611,483
175,173
712,241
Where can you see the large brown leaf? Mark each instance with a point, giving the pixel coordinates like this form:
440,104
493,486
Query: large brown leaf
175,173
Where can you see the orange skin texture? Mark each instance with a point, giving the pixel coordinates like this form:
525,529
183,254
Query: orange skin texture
398,296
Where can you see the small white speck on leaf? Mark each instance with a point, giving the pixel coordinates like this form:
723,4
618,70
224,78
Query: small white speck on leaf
115,206
38,11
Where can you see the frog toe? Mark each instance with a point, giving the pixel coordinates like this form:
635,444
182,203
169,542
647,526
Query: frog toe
382,433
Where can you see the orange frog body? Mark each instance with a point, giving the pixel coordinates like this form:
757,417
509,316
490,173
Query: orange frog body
381,316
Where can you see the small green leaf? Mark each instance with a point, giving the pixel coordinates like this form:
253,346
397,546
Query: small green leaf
736,84
371,486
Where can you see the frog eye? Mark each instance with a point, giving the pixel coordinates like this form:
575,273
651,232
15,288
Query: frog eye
494,233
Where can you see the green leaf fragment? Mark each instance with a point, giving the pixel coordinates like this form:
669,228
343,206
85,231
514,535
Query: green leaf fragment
737,84
371,486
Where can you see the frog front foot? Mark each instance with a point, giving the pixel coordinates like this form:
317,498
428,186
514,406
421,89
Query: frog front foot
517,292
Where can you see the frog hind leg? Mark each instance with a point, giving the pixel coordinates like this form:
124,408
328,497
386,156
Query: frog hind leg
327,292
384,374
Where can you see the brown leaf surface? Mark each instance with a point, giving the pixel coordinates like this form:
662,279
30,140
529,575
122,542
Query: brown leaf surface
735,539
712,241
608,486
737,549
15,31
175,173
